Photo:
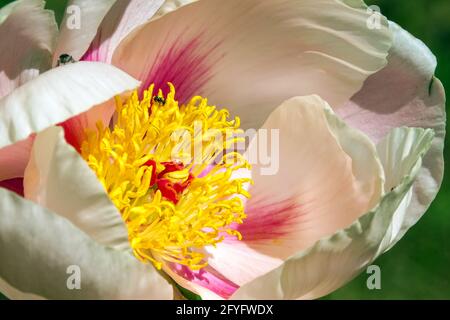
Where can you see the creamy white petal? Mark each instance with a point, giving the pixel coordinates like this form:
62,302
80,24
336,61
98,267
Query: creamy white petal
28,34
405,93
398,151
37,247
335,260
79,26
58,179
57,95
250,56
124,17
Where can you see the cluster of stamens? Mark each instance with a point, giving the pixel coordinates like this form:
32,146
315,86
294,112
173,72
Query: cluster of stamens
174,204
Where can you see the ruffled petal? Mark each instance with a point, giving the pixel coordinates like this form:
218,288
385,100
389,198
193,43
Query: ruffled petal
398,152
335,260
405,93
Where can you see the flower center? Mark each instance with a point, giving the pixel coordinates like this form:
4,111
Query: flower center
170,169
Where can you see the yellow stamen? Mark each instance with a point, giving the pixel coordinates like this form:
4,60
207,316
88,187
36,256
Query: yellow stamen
173,204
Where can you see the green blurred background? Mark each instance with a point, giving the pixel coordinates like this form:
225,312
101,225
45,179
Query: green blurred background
418,267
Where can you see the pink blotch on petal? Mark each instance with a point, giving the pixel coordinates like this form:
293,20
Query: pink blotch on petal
269,221
207,278
187,66
93,53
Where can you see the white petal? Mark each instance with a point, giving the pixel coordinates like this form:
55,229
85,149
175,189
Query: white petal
405,93
79,26
120,21
335,260
329,176
57,95
37,247
58,179
398,152
252,55
28,34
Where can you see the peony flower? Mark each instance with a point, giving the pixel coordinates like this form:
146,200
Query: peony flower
90,181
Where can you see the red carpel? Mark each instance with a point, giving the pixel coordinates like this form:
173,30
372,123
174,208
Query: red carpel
169,189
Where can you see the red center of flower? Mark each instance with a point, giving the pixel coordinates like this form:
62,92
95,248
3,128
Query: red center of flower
170,189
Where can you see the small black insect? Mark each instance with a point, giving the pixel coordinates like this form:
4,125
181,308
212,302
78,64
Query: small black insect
65,59
160,100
